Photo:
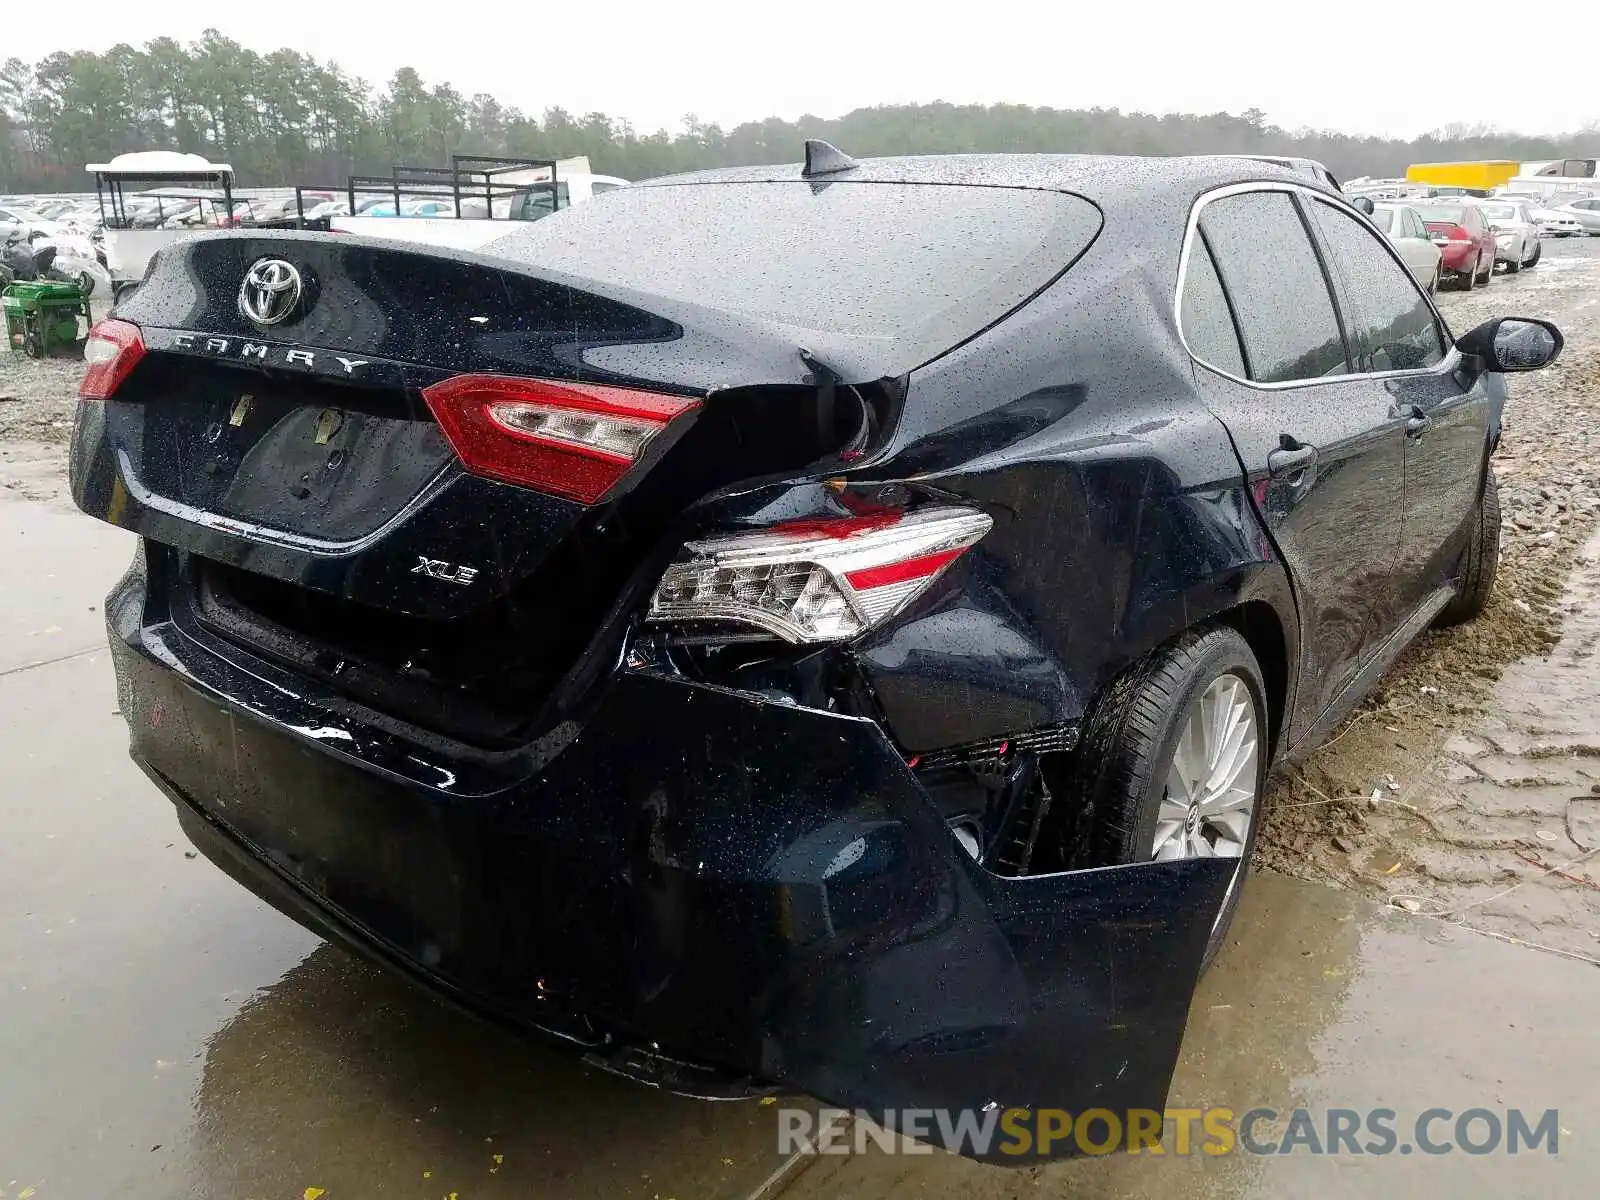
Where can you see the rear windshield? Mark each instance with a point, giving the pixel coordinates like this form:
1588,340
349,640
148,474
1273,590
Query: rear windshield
929,265
1383,218
1497,211
1440,212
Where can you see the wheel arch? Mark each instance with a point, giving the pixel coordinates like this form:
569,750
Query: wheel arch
1263,630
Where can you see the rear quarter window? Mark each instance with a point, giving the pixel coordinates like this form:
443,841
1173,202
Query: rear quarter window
925,264
1207,323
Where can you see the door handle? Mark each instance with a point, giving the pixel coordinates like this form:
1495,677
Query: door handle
1417,422
1291,457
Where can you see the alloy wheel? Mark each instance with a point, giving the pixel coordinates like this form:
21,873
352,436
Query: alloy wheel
1210,798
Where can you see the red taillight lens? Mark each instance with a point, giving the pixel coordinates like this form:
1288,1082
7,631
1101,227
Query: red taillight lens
1457,234
569,439
814,580
114,348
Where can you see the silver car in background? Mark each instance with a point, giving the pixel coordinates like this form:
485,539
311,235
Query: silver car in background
1410,236
1516,232
1586,212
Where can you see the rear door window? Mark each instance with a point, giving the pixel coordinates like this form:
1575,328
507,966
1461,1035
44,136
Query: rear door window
1267,263
1388,311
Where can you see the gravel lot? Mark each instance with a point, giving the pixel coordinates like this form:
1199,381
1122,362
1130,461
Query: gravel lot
37,397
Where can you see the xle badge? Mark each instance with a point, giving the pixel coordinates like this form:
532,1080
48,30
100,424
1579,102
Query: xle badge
436,568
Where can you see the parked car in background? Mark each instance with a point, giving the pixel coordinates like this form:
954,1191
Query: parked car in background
1555,223
1585,212
277,211
754,668
32,224
1466,245
1516,233
328,208
1410,236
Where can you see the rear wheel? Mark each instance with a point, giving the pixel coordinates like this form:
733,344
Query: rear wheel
1433,284
1468,278
1488,271
1174,760
1538,249
1513,265
1483,558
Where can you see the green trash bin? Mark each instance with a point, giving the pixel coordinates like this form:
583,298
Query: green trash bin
42,314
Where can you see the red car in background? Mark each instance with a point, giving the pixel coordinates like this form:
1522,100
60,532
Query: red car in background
1466,244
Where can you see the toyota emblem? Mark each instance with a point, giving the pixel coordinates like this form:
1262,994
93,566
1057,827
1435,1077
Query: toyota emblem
270,293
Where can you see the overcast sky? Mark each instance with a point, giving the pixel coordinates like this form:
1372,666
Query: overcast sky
1339,66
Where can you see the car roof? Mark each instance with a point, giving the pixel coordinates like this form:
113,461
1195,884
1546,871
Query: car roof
1095,176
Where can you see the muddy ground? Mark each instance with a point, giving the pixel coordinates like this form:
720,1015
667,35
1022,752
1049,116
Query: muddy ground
1468,786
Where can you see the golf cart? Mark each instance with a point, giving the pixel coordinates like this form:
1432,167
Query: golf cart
183,185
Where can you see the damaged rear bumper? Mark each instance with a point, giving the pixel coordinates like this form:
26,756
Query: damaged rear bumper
699,888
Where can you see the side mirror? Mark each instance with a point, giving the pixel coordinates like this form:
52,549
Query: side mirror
1363,204
1513,343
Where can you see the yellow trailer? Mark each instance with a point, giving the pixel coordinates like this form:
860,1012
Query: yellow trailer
1478,175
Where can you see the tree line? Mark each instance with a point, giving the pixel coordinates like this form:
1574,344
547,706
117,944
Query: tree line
285,117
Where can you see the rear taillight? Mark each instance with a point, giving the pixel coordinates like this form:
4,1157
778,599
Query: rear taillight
569,439
814,581
114,348
1457,234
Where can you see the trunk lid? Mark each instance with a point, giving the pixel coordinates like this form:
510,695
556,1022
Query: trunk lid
314,508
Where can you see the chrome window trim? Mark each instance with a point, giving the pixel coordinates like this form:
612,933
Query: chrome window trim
1445,366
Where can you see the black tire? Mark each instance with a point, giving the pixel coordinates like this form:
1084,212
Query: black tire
1468,280
1538,249
1433,284
1513,266
1482,560
1119,772
1488,273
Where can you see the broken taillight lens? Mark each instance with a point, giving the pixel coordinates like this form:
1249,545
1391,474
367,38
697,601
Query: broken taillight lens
113,350
569,439
814,581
